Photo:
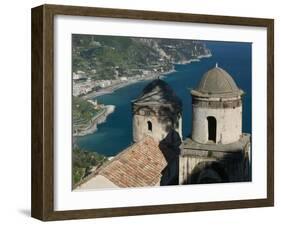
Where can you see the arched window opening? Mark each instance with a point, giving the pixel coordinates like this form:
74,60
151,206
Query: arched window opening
212,129
149,126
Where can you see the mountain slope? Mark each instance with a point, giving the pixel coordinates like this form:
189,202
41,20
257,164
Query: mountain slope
108,57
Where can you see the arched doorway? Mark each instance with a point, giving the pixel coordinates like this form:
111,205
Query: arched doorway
149,126
212,129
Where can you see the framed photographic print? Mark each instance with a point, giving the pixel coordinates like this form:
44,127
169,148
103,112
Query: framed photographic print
141,112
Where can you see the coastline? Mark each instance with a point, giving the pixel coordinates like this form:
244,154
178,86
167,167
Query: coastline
113,88
95,121
101,117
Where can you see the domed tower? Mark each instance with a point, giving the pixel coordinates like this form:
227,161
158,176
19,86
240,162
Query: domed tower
217,109
156,112
217,150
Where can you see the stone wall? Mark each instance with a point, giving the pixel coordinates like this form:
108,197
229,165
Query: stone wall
161,125
195,169
229,124
163,119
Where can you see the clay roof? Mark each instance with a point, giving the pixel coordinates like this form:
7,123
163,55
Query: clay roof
217,83
139,165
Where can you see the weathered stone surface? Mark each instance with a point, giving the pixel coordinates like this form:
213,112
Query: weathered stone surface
217,150
156,112
190,146
217,83
228,124
217,97
158,92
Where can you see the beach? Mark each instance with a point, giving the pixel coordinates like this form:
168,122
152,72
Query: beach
112,88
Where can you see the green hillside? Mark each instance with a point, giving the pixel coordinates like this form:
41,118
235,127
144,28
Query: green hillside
107,57
82,112
83,161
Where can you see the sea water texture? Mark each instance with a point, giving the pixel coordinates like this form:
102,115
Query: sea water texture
115,134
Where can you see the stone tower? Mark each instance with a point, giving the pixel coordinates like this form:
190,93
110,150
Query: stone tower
217,151
156,112
217,109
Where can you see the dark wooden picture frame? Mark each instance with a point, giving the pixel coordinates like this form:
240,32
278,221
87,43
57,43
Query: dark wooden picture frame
43,112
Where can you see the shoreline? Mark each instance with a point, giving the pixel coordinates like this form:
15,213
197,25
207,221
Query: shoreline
113,88
95,121
109,109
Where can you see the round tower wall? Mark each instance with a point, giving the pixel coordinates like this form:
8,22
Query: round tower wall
160,127
228,124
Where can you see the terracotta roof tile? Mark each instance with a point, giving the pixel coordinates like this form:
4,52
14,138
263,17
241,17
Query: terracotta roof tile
139,165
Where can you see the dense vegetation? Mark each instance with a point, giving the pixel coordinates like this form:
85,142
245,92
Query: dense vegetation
83,162
107,57
82,112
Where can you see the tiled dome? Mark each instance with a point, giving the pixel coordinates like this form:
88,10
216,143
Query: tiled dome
217,83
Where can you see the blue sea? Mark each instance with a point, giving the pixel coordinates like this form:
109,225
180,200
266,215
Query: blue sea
116,133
